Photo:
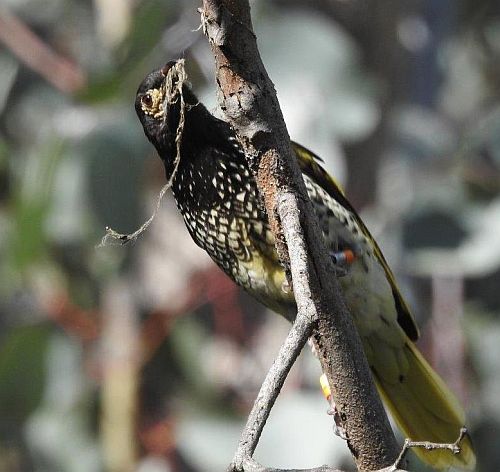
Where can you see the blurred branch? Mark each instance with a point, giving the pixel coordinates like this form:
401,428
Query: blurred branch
204,286
120,368
73,319
30,49
247,96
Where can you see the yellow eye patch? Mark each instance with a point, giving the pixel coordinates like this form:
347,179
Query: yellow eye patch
152,102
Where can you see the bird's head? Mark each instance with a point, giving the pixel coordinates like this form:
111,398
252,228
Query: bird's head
158,105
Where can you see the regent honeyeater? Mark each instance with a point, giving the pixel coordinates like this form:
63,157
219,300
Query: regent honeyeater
218,198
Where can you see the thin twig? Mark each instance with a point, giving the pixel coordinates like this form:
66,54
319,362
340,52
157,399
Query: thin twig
429,446
270,389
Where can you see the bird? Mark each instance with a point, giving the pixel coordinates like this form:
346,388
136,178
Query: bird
217,196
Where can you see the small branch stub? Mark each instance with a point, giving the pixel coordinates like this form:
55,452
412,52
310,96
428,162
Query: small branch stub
429,446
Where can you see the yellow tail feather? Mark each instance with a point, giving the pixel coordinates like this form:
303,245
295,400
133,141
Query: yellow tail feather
426,410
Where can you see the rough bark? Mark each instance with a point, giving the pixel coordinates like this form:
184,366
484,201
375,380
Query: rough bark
248,99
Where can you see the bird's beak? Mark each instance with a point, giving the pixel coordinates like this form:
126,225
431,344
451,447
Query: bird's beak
167,67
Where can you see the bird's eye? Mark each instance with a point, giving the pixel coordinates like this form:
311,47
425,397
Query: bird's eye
152,102
147,100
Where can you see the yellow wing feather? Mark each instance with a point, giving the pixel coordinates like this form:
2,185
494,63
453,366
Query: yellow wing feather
308,162
421,404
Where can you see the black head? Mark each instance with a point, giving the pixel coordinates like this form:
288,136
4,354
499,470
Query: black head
153,109
158,106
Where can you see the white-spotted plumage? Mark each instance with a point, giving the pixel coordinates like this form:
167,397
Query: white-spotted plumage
218,198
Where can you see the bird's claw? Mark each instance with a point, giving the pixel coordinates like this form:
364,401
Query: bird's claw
338,429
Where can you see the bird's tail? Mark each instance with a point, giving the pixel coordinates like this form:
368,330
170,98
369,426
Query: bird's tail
426,410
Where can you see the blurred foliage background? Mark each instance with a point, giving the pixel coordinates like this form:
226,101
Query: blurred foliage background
146,357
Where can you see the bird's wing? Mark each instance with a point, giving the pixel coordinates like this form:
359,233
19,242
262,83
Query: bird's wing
309,166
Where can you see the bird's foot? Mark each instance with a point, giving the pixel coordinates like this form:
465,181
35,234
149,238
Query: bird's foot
338,429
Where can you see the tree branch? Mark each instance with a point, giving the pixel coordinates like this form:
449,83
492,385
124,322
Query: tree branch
248,99
251,465
409,444
269,391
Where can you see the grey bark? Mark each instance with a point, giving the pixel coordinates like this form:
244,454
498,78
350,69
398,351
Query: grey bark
248,99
